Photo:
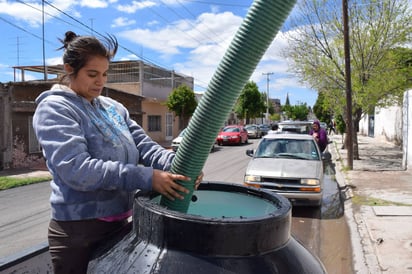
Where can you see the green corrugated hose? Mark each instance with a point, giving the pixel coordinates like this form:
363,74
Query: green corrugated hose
258,29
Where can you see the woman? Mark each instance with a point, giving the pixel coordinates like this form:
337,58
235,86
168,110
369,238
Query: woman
320,135
97,155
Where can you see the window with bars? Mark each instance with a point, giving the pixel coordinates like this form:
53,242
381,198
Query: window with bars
154,122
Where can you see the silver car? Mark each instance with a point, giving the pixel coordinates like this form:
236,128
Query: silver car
253,131
288,164
176,141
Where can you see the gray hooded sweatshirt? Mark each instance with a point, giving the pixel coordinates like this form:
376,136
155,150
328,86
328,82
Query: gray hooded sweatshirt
97,155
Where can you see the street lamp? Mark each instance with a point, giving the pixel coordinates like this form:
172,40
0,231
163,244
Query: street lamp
267,95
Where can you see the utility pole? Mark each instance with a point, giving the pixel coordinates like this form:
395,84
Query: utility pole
349,123
44,48
267,94
91,26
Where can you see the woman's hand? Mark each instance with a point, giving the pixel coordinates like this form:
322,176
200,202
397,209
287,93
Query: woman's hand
199,179
165,183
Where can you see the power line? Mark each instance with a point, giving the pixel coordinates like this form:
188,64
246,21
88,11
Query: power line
48,14
190,23
92,30
218,3
22,29
101,35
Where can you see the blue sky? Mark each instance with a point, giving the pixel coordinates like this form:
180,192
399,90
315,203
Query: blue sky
187,36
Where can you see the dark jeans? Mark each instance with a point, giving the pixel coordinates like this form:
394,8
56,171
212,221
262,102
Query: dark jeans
72,243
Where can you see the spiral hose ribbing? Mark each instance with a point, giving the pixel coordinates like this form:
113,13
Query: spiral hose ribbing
257,31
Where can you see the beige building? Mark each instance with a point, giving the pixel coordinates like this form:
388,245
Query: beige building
138,78
142,88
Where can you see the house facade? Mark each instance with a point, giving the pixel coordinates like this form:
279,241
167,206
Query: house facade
141,87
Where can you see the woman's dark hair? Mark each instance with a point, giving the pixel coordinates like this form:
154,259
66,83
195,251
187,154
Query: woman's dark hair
78,49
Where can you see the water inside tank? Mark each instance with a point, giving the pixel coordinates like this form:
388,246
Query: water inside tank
222,204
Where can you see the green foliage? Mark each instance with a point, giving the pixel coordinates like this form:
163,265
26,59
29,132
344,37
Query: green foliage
371,201
297,112
182,101
379,77
275,117
11,182
321,109
250,103
340,124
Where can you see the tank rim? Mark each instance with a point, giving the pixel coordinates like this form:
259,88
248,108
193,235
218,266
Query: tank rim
283,205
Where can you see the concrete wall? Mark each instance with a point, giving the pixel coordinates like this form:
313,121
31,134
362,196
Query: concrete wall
388,124
407,130
364,125
393,124
6,138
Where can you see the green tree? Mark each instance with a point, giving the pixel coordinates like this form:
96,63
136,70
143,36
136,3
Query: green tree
182,102
376,29
321,110
275,117
250,103
297,112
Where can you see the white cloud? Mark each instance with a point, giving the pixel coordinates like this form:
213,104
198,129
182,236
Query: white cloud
32,12
54,61
154,40
94,3
134,6
129,57
184,34
170,2
152,23
122,22
203,41
22,12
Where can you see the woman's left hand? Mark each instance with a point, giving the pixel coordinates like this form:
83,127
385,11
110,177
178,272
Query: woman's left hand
199,179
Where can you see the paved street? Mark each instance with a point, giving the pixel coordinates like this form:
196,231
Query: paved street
22,210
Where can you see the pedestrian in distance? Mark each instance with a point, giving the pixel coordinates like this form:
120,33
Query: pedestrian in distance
319,134
274,129
97,155
332,127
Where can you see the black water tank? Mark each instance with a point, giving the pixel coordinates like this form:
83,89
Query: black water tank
165,241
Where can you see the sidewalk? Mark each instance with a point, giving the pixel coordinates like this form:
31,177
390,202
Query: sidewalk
378,205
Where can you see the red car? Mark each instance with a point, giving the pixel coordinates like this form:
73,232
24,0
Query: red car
232,135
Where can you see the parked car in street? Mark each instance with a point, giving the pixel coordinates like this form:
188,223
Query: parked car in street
233,134
264,129
253,131
288,164
302,127
176,141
